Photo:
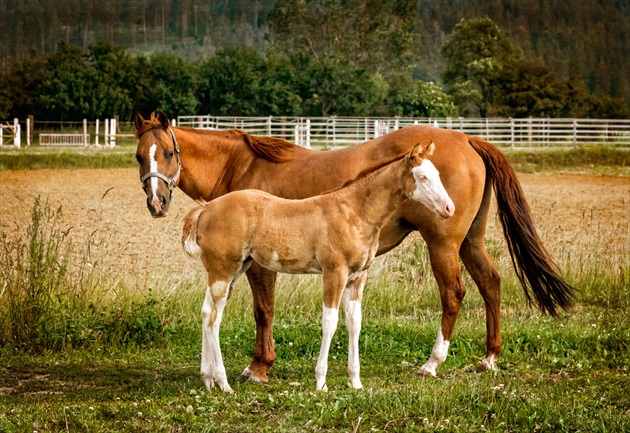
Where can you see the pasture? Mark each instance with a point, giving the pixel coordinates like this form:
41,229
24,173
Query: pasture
114,343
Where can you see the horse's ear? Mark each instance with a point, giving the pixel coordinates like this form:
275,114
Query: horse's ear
163,119
138,120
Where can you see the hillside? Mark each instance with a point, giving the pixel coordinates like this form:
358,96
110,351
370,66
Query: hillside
589,40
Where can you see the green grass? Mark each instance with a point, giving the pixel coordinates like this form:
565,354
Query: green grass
109,356
586,159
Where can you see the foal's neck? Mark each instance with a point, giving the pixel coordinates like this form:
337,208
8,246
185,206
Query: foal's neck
377,196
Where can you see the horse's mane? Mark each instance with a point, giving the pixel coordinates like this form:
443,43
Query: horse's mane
270,148
368,171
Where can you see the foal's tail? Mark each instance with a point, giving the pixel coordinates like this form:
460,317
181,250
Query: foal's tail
538,274
189,235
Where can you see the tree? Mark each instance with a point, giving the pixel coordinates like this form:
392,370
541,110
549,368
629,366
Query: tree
377,36
529,88
475,57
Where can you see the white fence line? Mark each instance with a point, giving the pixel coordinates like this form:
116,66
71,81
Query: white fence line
64,139
529,132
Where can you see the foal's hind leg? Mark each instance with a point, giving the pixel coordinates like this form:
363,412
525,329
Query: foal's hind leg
352,297
212,367
448,275
334,284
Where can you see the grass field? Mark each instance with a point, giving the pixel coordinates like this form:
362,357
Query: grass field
596,159
92,345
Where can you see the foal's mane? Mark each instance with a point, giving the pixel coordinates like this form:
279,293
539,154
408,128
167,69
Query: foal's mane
368,171
270,148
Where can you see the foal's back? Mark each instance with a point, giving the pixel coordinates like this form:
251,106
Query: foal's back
282,235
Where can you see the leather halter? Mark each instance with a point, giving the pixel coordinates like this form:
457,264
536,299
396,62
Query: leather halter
171,182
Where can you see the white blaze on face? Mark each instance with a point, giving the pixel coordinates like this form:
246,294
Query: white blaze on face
430,190
153,168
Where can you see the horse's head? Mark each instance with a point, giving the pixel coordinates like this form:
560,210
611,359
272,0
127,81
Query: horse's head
158,160
425,185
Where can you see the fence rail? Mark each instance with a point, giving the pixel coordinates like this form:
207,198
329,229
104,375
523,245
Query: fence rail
515,133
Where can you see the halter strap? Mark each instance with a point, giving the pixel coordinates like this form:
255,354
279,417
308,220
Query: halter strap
171,182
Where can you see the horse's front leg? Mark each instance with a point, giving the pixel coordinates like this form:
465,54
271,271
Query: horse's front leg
212,368
334,283
352,297
262,283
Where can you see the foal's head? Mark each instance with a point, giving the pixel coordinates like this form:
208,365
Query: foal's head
158,160
426,186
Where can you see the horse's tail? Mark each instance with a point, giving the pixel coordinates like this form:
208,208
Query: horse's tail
189,234
538,274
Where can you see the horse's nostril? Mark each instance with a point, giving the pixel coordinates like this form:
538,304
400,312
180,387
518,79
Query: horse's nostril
163,200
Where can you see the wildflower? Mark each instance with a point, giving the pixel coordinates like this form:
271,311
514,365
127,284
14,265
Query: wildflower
425,421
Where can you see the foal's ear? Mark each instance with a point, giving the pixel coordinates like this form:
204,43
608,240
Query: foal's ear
420,152
163,119
138,120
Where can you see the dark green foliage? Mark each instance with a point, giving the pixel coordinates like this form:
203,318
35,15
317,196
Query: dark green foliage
346,58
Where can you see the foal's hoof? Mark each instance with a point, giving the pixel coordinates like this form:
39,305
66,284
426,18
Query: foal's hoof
426,372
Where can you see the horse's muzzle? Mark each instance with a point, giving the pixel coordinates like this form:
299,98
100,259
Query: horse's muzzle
158,205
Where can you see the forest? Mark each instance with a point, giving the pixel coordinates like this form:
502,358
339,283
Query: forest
73,59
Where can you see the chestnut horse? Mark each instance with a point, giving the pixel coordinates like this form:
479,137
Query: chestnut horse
208,164
334,234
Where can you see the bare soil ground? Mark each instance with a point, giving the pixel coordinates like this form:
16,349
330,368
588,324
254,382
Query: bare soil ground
110,206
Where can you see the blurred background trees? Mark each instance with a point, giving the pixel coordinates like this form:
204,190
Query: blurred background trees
74,59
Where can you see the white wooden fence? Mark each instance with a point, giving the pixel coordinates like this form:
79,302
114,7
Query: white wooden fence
515,133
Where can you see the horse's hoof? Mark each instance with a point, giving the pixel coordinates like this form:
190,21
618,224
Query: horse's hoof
486,365
248,376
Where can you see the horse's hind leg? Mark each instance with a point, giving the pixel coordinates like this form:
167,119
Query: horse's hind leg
352,297
262,283
212,367
447,272
475,257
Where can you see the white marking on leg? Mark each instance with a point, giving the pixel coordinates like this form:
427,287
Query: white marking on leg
488,364
352,311
438,355
212,367
330,317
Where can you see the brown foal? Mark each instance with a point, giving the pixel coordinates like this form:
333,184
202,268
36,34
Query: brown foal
335,234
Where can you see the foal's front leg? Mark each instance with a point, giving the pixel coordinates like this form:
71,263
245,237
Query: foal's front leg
352,297
334,283
212,367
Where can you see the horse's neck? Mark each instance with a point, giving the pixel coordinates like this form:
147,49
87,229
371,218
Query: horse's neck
378,195
206,165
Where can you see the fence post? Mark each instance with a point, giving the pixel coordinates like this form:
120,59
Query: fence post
269,126
308,133
512,133
30,131
16,127
85,133
574,132
96,134
112,132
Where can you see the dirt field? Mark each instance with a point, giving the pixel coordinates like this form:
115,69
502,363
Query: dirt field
590,211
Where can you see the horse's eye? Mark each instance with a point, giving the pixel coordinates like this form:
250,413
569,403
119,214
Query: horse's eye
169,154
139,159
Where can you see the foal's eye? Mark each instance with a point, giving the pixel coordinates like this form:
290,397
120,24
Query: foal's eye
139,159
169,154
